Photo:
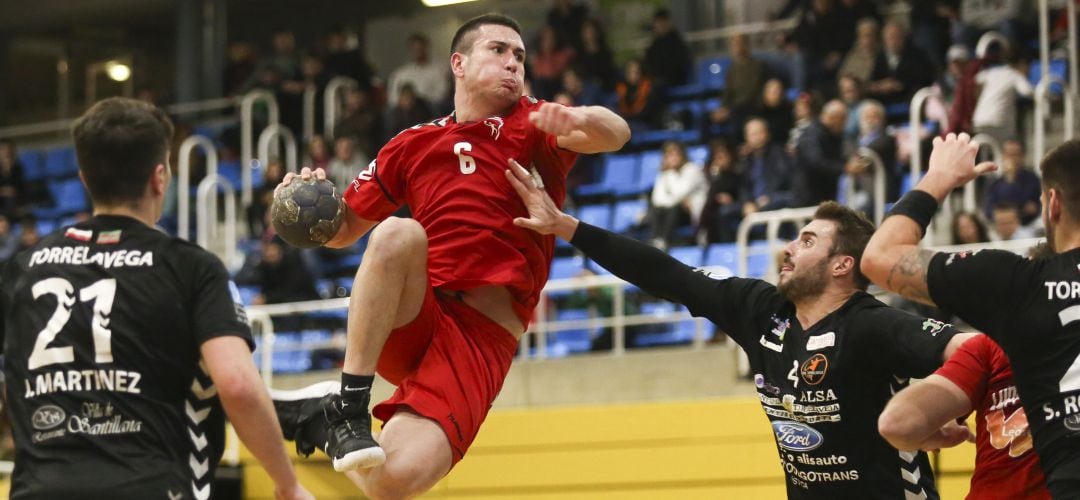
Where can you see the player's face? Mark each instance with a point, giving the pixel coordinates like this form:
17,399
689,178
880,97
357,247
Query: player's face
804,271
494,68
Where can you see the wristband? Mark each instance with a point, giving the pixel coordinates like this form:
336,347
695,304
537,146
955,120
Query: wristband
917,205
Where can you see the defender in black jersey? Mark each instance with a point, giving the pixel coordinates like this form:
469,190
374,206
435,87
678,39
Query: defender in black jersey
1031,308
826,356
118,339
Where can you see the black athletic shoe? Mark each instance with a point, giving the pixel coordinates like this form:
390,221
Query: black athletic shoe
348,441
300,413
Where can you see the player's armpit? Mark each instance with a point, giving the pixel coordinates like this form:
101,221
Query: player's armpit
351,230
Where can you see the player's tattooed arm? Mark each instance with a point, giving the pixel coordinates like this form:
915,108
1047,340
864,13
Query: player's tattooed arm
908,275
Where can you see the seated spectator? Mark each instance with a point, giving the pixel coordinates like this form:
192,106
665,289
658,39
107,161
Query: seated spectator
28,235
282,275
968,228
803,113
347,162
1007,225
850,92
722,213
766,171
410,110
240,66
9,242
263,197
547,63
872,135
362,121
13,189
429,80
900,68
318,154
859,61
668,57
581,92
677,196
1018,185
595,60
345,59
777,111
743,84
637,100
819,156
995,111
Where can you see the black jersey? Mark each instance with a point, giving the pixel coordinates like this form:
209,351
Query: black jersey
1031,308
101,333
822,388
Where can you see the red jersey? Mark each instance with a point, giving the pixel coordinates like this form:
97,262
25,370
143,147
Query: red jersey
451,175
1006,467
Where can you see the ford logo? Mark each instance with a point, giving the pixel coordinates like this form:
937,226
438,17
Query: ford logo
796,436
47,417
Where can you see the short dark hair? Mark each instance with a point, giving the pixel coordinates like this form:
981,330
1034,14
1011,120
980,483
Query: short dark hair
119,142
1061,171
460,41
853,231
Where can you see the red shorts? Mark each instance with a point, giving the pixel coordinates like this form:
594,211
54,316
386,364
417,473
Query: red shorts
449,365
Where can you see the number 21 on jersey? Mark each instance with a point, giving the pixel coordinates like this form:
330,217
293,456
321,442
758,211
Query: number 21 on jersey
101,293
466,162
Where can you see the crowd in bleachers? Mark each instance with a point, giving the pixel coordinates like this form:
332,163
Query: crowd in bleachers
759,127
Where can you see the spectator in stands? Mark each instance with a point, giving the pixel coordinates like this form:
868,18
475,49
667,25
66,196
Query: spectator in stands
820,157
283,59
931,23
743,85
429,80
957,59
900,69
345,59
363,122
13,189
722,213
1018,185
547,63
282,275
857,10
291,92
347,162
263,197
668,57
567,17
803,113
766,171
1006,217
318,154
777,111
637,100
410,110
28,235
240,67
595,60
581,93
850,93
859,61
678,194
968,228
995,111
873,136
823,36
9,243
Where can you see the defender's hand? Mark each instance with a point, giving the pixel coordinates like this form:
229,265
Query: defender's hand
544,216
557,119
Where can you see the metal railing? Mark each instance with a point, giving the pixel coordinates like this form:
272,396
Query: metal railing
878,173
267,139
247,136
915,123
1042,91
332,103
204,218
183,174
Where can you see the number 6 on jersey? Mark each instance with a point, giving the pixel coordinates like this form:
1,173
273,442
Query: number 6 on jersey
467,163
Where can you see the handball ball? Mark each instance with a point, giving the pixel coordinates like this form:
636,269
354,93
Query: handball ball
307,213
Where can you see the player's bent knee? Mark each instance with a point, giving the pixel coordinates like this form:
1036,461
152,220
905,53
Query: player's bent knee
399,479
395,238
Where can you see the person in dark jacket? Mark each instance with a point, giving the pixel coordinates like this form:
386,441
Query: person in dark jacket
819,156
766,171
901,68
668,58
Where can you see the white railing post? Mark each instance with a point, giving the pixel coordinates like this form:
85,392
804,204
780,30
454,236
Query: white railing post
331,103
879,182
618,331
266,343
984,43
247,136
1044,38
915,122
775,217
1070,10
1042,91
267,138
204,219
183,181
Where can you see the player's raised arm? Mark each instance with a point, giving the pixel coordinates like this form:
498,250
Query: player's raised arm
893,259
583,129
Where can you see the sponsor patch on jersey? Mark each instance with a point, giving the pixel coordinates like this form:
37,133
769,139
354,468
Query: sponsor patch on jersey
1072,422
79,234
495,125
960,255
821,341
814,369
796,436
781,327
934,326
108,237
47,417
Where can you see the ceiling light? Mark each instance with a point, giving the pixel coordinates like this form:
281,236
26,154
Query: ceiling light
440,3
118,71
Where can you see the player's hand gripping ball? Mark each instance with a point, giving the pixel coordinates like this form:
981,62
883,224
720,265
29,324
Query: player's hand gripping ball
307,213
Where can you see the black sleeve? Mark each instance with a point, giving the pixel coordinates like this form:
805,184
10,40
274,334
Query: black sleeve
974,286
216,309
902,343
731,303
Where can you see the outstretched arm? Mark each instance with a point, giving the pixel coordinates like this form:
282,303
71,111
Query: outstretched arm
582,129
893,259
922,417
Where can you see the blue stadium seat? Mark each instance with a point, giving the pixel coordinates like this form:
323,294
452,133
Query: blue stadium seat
689,255
45,226
627,214
646,137
648,169
898,110
597,215
230,170
247,294
566,267
617,174
60,162
724,255
698,154
70,198
712,72
1058,67
575,339
759,260
33,164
